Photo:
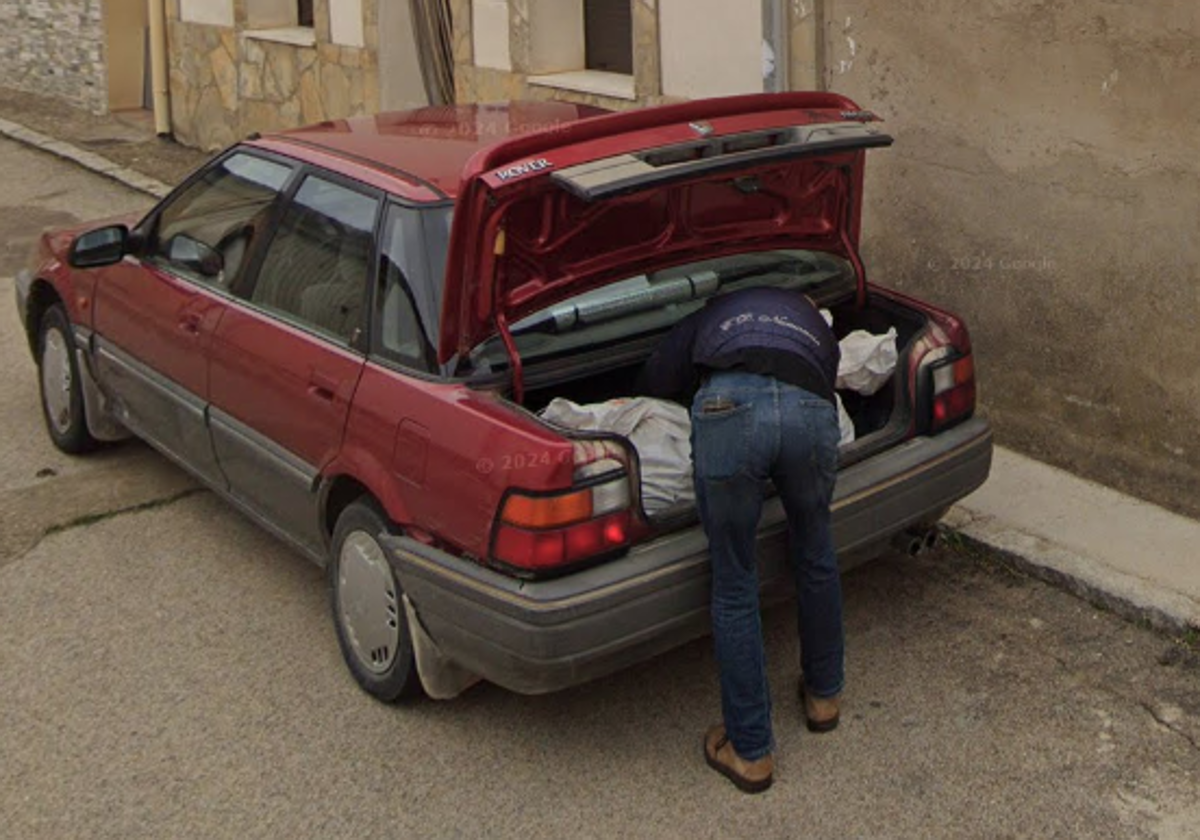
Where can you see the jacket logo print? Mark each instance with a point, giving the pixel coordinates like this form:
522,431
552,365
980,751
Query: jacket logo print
777,320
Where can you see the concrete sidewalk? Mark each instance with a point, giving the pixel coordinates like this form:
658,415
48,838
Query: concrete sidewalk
88,160
1122,553
1126,555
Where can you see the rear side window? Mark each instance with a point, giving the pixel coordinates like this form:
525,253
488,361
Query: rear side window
316,269
408,301
206,232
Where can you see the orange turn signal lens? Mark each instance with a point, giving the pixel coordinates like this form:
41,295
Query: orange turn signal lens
547,511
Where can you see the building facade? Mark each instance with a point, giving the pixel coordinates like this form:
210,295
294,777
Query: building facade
623,53
234,66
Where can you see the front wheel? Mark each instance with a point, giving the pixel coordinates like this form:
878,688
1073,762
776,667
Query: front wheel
61,389
368,606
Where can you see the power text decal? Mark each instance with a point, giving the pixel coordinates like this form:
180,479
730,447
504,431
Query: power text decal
518,170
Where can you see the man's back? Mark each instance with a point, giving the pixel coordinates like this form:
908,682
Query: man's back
775,332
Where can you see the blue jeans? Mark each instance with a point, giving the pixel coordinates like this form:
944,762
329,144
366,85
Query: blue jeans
748,429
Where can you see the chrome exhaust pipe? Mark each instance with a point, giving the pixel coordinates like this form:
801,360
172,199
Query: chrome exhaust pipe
932,537
909,543
912,541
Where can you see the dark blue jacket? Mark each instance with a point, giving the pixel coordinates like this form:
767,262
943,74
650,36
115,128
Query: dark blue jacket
776,332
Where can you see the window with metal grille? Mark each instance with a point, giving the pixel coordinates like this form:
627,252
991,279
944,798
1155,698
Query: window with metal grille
304,12
608,35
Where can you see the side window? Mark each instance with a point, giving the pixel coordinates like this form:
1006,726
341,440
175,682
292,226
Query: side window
316,268
206,232
407,302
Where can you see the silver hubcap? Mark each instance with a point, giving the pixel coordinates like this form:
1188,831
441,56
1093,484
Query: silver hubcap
56,380
368,606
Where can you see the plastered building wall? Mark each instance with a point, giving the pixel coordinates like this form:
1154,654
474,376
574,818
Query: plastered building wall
1045,184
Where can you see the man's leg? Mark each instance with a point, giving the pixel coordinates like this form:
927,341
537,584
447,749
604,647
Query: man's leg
729,480
805,475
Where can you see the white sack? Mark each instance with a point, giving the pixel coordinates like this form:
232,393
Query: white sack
845,424
867,361
658,429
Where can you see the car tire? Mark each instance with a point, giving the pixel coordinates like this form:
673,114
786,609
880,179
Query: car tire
59,384
368,606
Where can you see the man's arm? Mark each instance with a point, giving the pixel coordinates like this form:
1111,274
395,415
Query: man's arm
669,372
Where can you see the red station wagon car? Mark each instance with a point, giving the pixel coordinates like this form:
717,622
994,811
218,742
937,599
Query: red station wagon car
348,332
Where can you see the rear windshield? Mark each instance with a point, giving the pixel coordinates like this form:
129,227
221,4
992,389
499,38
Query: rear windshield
650,303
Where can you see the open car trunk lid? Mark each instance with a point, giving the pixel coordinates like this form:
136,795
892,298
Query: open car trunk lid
548,215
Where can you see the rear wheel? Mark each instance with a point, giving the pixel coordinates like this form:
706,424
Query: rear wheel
61,389
368,606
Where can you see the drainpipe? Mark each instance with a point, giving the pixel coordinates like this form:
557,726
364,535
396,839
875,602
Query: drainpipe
159,79
775,21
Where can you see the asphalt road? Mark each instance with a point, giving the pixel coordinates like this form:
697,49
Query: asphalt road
171,671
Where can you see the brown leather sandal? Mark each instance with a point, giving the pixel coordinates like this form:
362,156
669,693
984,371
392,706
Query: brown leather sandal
820,714
747,776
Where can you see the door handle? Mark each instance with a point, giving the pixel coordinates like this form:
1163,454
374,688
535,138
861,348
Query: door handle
189,323
322,386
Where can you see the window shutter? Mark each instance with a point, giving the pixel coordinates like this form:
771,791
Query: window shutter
608,33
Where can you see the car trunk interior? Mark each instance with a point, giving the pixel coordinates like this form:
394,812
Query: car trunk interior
880,419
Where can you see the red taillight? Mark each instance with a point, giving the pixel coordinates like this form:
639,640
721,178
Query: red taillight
542,550
953,392
540,531
528,549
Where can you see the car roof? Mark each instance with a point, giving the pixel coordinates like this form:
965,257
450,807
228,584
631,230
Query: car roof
431,145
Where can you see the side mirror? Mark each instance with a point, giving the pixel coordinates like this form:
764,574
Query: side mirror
100,247
194,255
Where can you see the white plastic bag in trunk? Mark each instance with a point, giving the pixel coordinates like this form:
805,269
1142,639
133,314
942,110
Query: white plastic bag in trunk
867,361
845,424
661,432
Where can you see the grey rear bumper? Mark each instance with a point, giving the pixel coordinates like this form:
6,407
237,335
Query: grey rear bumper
536,637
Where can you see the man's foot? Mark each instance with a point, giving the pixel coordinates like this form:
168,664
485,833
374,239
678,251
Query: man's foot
748,776
820,713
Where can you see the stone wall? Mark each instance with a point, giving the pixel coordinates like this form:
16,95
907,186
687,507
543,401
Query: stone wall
54,48
1045,185
227,83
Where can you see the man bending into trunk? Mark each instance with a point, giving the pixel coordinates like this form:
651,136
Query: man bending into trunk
758,367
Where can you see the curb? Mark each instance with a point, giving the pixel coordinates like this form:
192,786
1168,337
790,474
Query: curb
88,160
1127,596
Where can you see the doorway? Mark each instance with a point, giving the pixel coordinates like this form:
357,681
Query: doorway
126,25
